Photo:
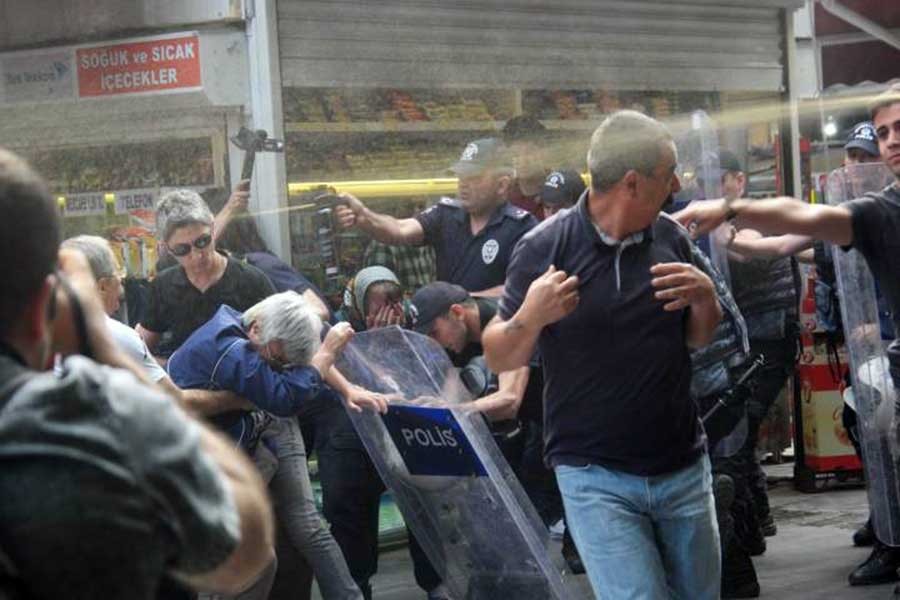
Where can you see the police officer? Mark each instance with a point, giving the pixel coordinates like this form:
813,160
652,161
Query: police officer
472,235
512,402
561,189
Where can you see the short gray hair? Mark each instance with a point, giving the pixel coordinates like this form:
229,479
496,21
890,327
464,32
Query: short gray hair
288,318
626,140
180,208
98,253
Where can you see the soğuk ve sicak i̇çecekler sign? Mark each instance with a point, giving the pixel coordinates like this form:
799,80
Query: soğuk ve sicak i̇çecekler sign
132,67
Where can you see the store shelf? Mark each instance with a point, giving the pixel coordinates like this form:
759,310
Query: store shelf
430,126
386,126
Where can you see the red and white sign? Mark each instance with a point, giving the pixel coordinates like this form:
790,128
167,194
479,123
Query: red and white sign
134,67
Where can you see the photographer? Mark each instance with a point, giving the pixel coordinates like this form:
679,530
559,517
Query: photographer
98,468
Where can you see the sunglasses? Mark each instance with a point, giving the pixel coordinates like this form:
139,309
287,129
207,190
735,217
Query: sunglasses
184,249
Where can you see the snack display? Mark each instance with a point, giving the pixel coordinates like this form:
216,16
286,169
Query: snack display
371,157
127,166
315,105
594,104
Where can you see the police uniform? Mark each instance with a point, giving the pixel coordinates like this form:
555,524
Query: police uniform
474,261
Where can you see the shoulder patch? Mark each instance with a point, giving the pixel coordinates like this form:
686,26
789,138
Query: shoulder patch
447,201
516,213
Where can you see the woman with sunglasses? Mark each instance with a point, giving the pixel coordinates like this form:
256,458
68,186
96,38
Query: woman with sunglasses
185,296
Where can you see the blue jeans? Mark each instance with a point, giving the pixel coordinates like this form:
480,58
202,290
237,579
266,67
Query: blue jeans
645,537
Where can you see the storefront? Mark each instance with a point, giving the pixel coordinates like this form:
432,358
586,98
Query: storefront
113,123
394,91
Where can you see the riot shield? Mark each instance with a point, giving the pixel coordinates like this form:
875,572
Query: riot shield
873,389
701,177
452,484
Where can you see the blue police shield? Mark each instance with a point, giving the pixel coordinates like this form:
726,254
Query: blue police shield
450,481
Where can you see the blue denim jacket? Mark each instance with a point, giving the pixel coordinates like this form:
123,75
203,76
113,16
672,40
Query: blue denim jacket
219,356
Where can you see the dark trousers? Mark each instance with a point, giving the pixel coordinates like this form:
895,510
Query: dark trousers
781,358
351,498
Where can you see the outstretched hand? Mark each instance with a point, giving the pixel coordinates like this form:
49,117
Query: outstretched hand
702,216
348,211
360,398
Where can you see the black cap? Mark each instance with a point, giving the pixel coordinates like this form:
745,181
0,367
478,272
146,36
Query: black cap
480,156
433,301
562,188
863,136
522,128
728,162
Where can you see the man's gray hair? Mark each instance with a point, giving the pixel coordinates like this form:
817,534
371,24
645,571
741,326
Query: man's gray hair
626,140
180,208
288,318
98,253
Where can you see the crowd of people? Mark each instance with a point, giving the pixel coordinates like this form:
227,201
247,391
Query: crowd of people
623,378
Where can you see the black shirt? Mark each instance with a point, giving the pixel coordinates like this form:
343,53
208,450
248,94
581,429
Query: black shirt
176,306
475,262
876,234
531,408
617,370
487,310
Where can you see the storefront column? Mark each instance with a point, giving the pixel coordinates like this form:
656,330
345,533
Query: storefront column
269,191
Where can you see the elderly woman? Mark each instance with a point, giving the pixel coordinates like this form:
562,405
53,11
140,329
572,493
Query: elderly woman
271,355
184,297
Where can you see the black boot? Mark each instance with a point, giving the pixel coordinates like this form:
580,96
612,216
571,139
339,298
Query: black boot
865,535
767,525
880,567
738,575
570,554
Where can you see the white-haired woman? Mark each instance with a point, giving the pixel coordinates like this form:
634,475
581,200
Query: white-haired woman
271,355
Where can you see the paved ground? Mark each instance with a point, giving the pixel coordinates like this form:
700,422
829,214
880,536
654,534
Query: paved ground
808,559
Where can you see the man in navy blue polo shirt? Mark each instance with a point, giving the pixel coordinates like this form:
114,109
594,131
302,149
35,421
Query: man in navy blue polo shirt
473,235
609,293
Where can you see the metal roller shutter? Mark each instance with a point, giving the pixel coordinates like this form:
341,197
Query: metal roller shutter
627,44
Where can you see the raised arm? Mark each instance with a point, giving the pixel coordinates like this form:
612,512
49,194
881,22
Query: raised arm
749,243
773,216
509,344
384,228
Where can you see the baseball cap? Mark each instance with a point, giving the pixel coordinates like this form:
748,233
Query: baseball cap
562,188
863,136
479,156
728,162
433,301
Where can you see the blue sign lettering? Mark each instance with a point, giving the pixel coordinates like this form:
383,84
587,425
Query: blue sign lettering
432,442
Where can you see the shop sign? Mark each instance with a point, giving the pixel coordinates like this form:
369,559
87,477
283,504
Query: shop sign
37,76
161,64
129,201
82,205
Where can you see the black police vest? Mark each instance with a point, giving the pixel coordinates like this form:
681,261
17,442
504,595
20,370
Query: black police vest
761,286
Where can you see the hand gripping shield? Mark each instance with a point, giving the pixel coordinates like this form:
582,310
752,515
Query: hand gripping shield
873,388
452,484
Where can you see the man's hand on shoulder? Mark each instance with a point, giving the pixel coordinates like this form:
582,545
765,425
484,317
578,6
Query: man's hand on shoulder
550,298
682,285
